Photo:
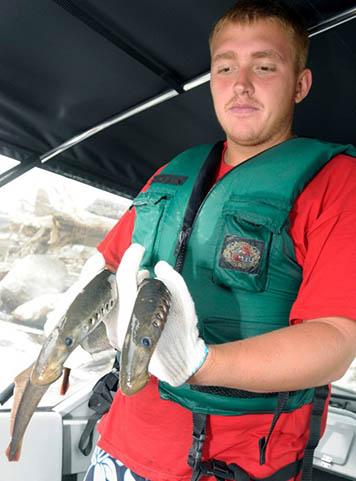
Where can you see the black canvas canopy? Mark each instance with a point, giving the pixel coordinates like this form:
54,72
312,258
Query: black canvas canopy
70,67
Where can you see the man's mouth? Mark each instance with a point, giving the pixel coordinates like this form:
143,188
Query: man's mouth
243,109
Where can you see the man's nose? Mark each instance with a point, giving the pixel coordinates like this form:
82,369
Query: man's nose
243,82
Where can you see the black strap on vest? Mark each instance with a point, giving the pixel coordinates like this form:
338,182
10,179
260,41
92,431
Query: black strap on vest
100,402
320,396
200,189
223,471
196,449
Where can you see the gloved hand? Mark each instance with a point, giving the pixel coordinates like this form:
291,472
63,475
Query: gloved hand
128,277
180,352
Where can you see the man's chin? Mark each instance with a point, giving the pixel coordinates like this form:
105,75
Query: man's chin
247,140
256,140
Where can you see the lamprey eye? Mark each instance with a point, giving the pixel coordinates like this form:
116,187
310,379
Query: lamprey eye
68,341
145,342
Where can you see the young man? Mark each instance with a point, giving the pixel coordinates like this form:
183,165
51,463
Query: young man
256,241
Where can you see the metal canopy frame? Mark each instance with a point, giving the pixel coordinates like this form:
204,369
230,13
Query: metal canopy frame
178,89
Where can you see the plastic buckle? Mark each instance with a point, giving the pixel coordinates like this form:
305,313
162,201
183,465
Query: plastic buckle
195,454
217,468
112,379
238,473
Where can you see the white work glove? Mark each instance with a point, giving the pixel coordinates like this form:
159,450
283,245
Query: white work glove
128,277
92,267
180,352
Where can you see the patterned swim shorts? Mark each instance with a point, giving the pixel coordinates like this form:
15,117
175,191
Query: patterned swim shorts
106,468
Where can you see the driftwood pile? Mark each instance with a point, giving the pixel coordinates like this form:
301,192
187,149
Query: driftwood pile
43,249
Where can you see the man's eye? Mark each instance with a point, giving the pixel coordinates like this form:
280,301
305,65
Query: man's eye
266,68
225,69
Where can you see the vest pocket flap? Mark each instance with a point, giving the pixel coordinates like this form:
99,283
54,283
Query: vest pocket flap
259,212
151,198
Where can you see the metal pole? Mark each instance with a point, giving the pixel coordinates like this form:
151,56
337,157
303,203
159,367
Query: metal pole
196,82
18,170
333,22
108,123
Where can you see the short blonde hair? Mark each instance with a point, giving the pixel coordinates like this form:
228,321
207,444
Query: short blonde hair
249,11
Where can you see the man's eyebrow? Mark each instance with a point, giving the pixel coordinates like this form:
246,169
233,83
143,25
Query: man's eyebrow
273,54
230,55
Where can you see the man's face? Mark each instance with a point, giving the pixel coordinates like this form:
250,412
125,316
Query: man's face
254,83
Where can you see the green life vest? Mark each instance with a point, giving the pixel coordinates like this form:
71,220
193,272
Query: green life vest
239,263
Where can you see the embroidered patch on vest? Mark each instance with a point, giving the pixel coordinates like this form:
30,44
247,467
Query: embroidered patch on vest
169,179
242,255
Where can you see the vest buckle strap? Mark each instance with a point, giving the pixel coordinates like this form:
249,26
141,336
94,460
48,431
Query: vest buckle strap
196,449
195,452
223,471
220,470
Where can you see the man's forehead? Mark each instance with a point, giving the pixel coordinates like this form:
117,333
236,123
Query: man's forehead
262,35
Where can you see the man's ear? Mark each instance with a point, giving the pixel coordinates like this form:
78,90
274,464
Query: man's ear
303,85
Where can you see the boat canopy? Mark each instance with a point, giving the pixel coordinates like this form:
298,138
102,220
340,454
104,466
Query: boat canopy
106,92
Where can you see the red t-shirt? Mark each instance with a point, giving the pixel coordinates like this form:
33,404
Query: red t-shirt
152,436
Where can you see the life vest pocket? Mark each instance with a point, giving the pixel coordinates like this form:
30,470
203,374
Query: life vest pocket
150,208
246,234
